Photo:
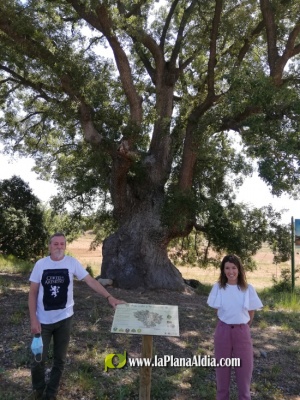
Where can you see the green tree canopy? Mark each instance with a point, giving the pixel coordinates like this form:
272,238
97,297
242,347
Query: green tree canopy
140,105
22,231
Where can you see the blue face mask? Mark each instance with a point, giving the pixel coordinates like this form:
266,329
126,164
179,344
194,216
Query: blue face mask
37,347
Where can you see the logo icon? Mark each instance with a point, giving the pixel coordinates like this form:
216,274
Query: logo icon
115,361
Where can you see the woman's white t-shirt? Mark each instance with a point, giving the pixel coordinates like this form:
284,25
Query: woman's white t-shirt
55,297
233,303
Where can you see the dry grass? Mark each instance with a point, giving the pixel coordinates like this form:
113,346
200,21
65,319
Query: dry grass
260,278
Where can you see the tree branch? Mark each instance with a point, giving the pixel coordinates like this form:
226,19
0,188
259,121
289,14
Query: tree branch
135,9
277,63
167,24
213,49
101,21
189,151
235,122
26,82
289,51
247,42
35,50
145,60
176,49
269,21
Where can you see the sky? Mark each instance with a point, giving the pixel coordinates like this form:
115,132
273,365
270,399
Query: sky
253,192
23,167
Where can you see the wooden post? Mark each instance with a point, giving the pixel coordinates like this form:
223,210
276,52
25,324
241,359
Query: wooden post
145,373
293,254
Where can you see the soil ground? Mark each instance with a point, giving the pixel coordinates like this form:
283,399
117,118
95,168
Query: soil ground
276,339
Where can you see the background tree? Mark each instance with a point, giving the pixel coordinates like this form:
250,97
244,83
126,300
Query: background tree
22,232
236,229
71,225
152,130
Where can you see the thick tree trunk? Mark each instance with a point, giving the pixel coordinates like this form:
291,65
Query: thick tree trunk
136,256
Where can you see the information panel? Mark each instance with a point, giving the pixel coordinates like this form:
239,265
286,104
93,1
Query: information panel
146,319
297,233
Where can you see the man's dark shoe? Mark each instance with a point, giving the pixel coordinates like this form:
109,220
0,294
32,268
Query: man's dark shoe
49,397
37,395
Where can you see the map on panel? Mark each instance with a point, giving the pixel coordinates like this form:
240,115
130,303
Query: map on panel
146,319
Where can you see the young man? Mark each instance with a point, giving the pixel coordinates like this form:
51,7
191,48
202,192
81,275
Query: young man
51,310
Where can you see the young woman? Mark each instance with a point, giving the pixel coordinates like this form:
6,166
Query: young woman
235,301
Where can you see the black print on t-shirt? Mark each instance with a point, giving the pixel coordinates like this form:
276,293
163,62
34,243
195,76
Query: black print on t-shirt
56,283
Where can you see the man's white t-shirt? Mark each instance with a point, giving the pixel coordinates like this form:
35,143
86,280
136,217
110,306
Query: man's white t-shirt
55,298
234,304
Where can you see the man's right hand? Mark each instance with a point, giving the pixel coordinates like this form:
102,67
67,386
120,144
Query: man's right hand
35,326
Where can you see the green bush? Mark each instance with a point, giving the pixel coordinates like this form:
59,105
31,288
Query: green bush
14,265
284,284
90,270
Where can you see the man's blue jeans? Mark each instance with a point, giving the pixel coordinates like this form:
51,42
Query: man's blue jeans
60,332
